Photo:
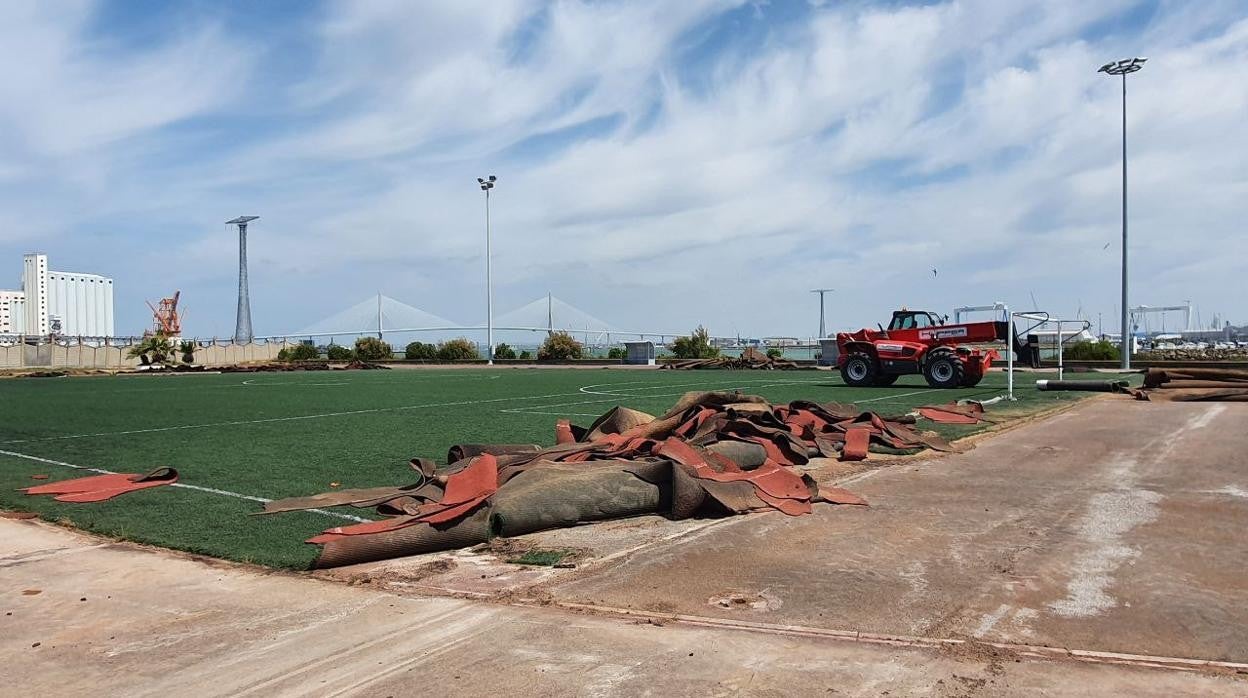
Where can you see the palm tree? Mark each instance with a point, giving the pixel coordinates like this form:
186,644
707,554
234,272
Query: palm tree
154,349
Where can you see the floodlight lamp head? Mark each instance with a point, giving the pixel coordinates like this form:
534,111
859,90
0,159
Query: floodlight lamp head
1123,67
480,181
242,220
493,178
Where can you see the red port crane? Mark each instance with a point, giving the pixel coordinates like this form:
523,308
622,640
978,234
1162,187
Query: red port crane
167,321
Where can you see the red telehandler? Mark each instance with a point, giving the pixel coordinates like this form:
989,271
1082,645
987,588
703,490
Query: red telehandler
917,341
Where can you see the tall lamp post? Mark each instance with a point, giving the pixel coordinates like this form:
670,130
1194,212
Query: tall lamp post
821,291
1124,68
487,184
242,319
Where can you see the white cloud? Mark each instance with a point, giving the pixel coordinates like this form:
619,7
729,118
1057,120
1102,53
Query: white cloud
858,149
77,112
66,95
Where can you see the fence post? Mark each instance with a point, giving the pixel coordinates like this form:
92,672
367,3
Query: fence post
1010,362
1061,346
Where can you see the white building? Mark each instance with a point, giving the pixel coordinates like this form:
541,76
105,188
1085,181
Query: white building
12,312
35,286
64,303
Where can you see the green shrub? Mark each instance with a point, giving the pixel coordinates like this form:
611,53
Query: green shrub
502,351
526,355
372,349
154,349
298,352
419,351
617,353
457,350
1092,351
337,352
560,346
775,353
187,348
696,346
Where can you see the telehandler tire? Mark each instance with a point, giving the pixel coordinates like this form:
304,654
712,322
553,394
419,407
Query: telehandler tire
943,369
859,371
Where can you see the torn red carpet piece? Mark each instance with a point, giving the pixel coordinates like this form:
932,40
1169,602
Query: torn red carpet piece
857,441
97,488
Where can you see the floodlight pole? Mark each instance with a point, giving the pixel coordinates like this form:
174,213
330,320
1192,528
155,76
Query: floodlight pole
821,291
487,183
1126,336
242,319
1124,68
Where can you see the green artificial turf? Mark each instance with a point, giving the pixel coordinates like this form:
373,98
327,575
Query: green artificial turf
541,558
276,435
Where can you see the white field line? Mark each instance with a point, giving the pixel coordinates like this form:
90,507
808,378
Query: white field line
240,422
521,410
890,397
197,488
250,383
346,413
378,380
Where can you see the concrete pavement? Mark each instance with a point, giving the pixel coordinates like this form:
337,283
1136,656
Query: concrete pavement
115,619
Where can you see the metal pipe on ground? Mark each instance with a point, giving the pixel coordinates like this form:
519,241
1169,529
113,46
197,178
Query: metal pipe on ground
1082,386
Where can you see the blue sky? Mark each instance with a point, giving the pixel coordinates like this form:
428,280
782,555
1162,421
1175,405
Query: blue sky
661,164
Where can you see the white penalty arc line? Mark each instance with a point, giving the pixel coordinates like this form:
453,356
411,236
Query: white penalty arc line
197,488
532,409
589,389
619,396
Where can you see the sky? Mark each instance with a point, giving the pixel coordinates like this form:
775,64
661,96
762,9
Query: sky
661,165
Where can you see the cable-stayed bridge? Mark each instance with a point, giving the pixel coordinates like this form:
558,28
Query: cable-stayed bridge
383,316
